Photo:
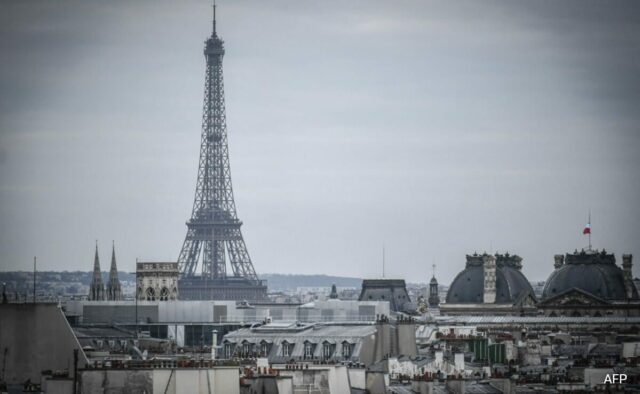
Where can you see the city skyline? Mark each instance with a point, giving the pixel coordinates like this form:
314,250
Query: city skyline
436,130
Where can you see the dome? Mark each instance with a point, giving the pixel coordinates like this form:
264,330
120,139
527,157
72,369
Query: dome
592,272
468,285
434,281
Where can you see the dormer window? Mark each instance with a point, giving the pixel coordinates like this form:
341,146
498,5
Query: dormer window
346,349
228,350
246,349
308,350
264,349
287,348
327,350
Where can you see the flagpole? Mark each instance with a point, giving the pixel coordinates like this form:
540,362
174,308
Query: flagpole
589,229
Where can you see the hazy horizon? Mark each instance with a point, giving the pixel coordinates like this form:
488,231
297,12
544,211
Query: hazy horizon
436,129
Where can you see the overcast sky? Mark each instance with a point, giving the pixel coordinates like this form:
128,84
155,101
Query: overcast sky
434,128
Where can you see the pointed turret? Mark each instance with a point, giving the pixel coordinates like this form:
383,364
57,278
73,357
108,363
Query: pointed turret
434,298
334,292
96,291
114,290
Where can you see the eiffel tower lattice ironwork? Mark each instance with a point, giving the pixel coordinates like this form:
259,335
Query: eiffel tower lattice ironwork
213,232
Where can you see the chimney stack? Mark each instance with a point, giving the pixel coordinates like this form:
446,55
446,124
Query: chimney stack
214,344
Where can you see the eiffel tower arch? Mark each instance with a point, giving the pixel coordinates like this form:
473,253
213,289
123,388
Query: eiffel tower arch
213,231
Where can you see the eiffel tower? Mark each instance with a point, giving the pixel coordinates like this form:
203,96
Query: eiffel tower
213,232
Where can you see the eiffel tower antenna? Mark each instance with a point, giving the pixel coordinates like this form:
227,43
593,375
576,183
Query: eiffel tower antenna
214,18
213,231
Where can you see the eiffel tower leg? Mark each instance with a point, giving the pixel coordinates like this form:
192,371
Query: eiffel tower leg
188,259
240,260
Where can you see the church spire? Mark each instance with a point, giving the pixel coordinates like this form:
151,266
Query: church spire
114,290
114,269
96,264
96,290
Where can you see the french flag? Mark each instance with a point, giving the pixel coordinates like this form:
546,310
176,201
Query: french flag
587,229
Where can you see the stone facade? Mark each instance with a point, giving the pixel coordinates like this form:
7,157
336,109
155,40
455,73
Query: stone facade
157,281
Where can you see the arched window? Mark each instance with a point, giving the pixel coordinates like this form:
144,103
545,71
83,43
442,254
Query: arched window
150,294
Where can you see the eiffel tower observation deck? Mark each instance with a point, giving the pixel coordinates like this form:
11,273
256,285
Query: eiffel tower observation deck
213,231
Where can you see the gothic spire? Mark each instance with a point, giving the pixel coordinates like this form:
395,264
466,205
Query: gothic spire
97,275
114,290
96,290
113,272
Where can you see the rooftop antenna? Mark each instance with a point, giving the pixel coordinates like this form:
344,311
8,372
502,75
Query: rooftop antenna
136,299
34,279
214,18
383,258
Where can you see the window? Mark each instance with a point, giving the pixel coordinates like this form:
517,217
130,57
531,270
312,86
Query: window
264,349
327,351
228,350
346,349
151,294
308,350
246,349
286,349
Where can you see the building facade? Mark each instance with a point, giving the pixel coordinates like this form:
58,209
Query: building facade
157,281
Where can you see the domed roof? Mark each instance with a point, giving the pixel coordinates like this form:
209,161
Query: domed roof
468,286
593,272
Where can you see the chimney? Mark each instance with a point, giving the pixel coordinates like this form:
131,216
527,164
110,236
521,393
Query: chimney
214,344
627,274
489,279
559,261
